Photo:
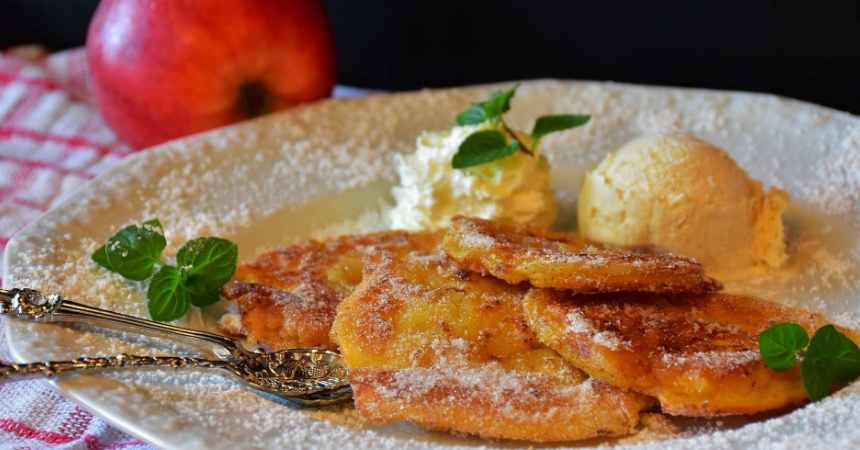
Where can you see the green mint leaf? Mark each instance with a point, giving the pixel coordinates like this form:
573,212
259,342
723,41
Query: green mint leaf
780,344
492,109
205,299
815,378
100,257
168,299
846,362
472,116
202,290
482,147
134,250
208,258
207,263
550,124
154,224
499,103
831,359
840,356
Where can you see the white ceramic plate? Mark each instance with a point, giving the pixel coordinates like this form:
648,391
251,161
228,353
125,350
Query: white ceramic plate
328,167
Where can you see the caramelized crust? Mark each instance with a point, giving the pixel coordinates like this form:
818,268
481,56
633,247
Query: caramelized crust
517,253
429,341
497,404
698,354
287,298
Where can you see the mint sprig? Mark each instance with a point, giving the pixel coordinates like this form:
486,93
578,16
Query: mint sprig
490,145
203,265
828,359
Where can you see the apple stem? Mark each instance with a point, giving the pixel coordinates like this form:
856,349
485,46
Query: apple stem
254,99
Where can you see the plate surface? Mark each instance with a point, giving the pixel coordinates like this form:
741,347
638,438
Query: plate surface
327,169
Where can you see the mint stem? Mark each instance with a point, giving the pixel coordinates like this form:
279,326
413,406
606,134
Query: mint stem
512,135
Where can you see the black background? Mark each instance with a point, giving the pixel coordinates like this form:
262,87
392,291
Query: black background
804,50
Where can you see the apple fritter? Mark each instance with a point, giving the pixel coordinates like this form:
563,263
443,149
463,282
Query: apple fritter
429,341
698,354
517,253
288,297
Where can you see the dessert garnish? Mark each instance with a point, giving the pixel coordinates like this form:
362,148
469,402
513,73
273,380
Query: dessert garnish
828,359
492,144
479,168
203,265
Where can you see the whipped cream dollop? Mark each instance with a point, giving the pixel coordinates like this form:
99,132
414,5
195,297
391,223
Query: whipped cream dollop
517,188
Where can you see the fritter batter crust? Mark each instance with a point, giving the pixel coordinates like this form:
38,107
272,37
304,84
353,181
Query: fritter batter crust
517,253
429,341
287,298
698,354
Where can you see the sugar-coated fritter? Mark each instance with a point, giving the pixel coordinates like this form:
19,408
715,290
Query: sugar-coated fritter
698,354
429,341
288,297
517,253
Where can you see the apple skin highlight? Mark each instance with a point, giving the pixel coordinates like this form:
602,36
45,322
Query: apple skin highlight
163,69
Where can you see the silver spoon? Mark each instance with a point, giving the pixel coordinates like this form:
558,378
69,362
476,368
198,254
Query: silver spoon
309,376
290,380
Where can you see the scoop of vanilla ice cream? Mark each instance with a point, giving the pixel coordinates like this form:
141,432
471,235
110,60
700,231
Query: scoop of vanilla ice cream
517,188
688,196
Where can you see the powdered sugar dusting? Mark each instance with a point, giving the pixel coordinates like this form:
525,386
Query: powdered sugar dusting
231,181
581,325
836,186
490,381
715,359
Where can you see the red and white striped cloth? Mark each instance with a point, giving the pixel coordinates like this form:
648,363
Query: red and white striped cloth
52,141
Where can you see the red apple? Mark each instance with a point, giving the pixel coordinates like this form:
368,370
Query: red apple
162,69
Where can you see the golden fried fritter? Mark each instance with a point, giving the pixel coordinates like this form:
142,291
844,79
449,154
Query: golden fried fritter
287,298
517,253
698,354
429,341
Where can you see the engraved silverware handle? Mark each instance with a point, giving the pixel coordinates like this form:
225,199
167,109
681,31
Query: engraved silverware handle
33,305
51,369
300,389
307,376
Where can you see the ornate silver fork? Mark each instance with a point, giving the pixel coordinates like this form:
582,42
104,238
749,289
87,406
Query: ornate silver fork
307,376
